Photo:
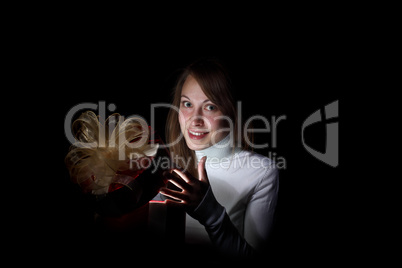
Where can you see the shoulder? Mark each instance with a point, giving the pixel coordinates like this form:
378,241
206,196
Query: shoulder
259,173
251,160
255,164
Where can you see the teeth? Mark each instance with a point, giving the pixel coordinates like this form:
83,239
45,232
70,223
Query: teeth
197,133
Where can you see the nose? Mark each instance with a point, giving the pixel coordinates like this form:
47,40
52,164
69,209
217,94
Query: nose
197,122
197,119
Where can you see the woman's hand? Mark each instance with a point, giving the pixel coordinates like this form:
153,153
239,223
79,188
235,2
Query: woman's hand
192,190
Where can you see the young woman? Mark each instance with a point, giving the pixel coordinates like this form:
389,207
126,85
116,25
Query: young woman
228,192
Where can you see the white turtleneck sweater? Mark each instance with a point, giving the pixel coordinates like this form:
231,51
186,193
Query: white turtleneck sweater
237,211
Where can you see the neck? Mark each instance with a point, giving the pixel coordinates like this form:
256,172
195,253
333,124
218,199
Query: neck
220,150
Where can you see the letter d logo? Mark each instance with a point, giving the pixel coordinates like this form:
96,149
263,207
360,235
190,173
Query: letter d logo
330,156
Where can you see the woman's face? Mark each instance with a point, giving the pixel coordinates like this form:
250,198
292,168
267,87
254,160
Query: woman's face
201,121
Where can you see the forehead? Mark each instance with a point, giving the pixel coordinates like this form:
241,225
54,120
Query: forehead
193,90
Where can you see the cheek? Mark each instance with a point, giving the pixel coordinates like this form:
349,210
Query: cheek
216,123
182,120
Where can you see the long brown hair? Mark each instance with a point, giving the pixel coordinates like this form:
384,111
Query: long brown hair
214,80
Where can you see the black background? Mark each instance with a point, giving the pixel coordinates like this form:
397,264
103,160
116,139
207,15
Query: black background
287,75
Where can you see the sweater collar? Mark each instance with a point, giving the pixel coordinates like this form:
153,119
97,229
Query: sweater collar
220,150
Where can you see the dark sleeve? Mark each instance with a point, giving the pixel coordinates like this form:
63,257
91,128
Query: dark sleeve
220,228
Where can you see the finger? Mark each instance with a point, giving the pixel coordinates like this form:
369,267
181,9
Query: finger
167,176
179,182
182,175
174,194
173,203
202,173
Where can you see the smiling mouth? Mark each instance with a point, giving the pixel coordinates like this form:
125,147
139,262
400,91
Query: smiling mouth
195,135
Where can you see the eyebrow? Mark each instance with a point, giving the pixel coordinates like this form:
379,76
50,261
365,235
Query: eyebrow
190,99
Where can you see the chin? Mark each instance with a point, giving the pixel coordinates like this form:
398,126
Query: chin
196,146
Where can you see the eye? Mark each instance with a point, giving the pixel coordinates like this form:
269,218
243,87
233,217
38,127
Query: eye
186,104
210,107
